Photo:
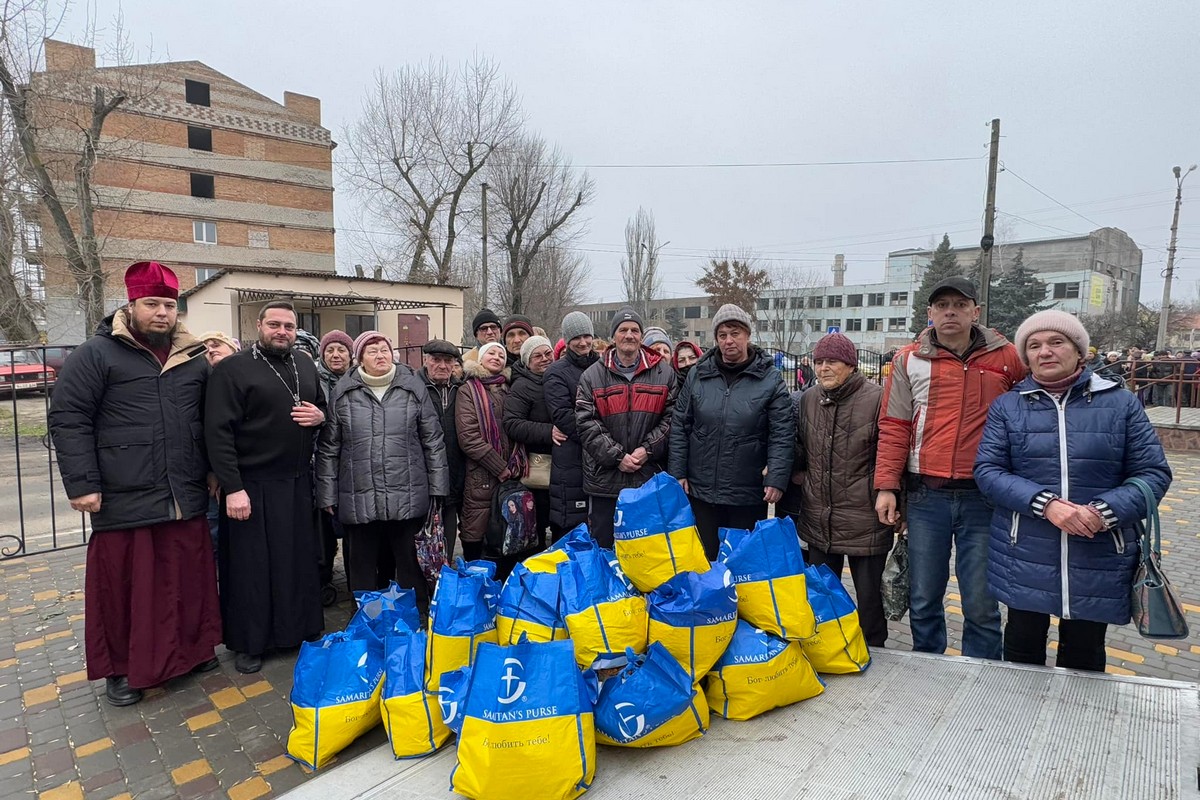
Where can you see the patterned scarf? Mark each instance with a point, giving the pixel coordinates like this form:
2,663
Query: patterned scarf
518,463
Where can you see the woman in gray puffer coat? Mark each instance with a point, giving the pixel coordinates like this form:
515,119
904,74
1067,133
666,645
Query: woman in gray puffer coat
380,459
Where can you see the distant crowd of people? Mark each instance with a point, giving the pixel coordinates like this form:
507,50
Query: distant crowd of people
1010,457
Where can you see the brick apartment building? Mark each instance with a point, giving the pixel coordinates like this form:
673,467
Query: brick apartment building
194,169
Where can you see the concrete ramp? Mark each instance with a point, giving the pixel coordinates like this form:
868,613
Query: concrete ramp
912,726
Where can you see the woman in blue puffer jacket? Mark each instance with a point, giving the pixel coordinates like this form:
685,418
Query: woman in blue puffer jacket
1055,455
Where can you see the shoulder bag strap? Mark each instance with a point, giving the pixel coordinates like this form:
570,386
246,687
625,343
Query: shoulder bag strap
1151,527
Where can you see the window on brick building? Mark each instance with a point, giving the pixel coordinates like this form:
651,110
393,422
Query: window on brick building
816,301
854,324
691,312
196,93
1065,291
204,273
199,138
204,186
854,300
204,232
897,323
875,324
875,299
899,298
764,303
833,301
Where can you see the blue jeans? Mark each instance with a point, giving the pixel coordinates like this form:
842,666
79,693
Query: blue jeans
937,520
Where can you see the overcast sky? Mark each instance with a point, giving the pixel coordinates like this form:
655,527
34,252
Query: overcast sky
1092,96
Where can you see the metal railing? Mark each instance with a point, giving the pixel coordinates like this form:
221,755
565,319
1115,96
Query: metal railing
1164,382
31,491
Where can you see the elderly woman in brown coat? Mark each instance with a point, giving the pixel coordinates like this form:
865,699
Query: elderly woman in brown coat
832,496
479,417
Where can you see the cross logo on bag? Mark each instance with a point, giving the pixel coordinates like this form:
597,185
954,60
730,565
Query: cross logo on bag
449,707
512,676
640,720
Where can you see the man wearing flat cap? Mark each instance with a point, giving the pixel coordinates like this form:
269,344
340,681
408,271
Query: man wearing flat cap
127,423
438,361
935,402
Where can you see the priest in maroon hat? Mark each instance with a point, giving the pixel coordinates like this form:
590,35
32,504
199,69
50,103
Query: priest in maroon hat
127,423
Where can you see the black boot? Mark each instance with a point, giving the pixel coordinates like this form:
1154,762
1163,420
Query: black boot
206,666
247,664
119,693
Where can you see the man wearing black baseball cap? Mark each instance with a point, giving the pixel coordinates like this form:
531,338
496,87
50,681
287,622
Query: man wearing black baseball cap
935,402
952,285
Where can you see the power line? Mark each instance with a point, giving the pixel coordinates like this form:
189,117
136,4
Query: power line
1009,170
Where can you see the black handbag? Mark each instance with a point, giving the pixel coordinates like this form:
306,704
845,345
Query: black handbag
1156,608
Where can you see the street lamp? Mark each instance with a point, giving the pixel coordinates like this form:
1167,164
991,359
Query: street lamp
1165,311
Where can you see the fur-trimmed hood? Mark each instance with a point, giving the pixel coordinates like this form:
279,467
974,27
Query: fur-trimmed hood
473,369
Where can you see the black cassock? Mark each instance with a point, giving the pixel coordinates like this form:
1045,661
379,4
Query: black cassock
269,563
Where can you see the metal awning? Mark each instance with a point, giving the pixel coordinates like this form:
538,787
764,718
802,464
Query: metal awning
314,301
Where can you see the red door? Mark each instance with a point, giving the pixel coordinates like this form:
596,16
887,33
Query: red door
412,334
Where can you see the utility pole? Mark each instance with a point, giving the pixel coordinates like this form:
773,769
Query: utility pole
989,224
1164,313
484,303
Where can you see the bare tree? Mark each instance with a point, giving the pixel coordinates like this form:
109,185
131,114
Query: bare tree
19,308
552,288
538,195
425,134
58,123
639,267
789,319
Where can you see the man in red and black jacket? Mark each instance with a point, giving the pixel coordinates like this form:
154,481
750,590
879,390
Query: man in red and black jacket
623,414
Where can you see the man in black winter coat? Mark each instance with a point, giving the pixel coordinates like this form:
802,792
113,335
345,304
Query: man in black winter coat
127,423
568,501
439,358
732,435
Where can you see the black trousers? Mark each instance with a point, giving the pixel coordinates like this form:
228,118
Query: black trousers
867,573
1080,641
396,537
711,516
602,511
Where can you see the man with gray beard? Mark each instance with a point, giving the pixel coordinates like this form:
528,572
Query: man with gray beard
264,406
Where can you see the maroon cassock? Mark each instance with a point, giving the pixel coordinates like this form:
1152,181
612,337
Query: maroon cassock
151,607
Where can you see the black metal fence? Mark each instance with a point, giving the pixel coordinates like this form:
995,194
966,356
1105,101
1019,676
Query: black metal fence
35,515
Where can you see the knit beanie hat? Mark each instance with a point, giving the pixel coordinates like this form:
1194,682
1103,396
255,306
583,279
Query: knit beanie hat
531,344
485,317
576,324
1052,320
655,335
364,339
836,347
341,337
517,321
731,313
221,336
625,314
484,348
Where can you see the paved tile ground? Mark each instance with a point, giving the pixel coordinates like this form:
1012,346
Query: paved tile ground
223,734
